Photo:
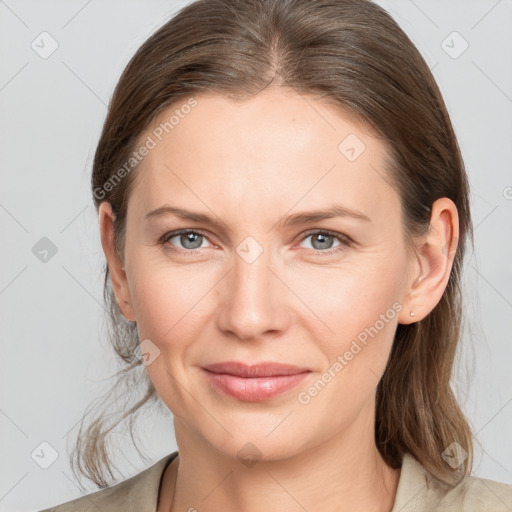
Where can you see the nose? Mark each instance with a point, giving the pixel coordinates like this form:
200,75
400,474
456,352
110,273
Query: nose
253,300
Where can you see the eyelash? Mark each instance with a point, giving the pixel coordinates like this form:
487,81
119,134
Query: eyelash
344,240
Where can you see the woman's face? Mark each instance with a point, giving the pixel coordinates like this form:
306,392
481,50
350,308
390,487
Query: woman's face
266,272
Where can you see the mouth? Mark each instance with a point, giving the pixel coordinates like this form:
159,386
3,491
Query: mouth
254,383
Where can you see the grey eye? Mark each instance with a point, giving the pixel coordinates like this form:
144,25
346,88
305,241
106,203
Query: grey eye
324,241
321,241
188,239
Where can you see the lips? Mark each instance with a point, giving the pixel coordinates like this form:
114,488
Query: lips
253,383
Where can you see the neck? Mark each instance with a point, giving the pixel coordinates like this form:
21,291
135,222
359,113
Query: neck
345,473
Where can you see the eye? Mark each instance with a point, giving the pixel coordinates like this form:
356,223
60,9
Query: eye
188,239
322,240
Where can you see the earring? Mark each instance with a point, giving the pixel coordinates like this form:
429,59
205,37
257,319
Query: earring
411,313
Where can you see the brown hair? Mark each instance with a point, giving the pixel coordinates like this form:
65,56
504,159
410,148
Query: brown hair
352,55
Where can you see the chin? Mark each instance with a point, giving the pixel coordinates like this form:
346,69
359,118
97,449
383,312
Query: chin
250,443
249,452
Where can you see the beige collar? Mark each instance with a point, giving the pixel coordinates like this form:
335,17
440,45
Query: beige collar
417,491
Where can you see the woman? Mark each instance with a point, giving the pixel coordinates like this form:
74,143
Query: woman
284,212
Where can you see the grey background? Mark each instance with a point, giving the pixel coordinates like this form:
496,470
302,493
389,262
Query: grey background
55,358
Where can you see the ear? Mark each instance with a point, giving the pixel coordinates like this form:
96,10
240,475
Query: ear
115,263
434,260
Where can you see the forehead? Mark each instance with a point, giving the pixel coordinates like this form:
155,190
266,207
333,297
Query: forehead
278,146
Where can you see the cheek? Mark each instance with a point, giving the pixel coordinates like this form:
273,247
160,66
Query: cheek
355,314
166,299
169,305
345,300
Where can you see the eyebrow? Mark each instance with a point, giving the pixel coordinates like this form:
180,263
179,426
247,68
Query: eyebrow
329,213
291,220
198,217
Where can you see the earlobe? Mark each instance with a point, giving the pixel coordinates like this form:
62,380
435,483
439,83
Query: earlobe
435,254
115,264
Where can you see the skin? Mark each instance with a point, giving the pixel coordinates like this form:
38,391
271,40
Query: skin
250,164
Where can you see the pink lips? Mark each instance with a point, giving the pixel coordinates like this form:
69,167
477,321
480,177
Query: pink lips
254,383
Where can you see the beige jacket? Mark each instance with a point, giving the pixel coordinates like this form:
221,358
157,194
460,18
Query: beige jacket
417,491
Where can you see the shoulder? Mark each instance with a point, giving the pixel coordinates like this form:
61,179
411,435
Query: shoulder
138,493
419,491
475,494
